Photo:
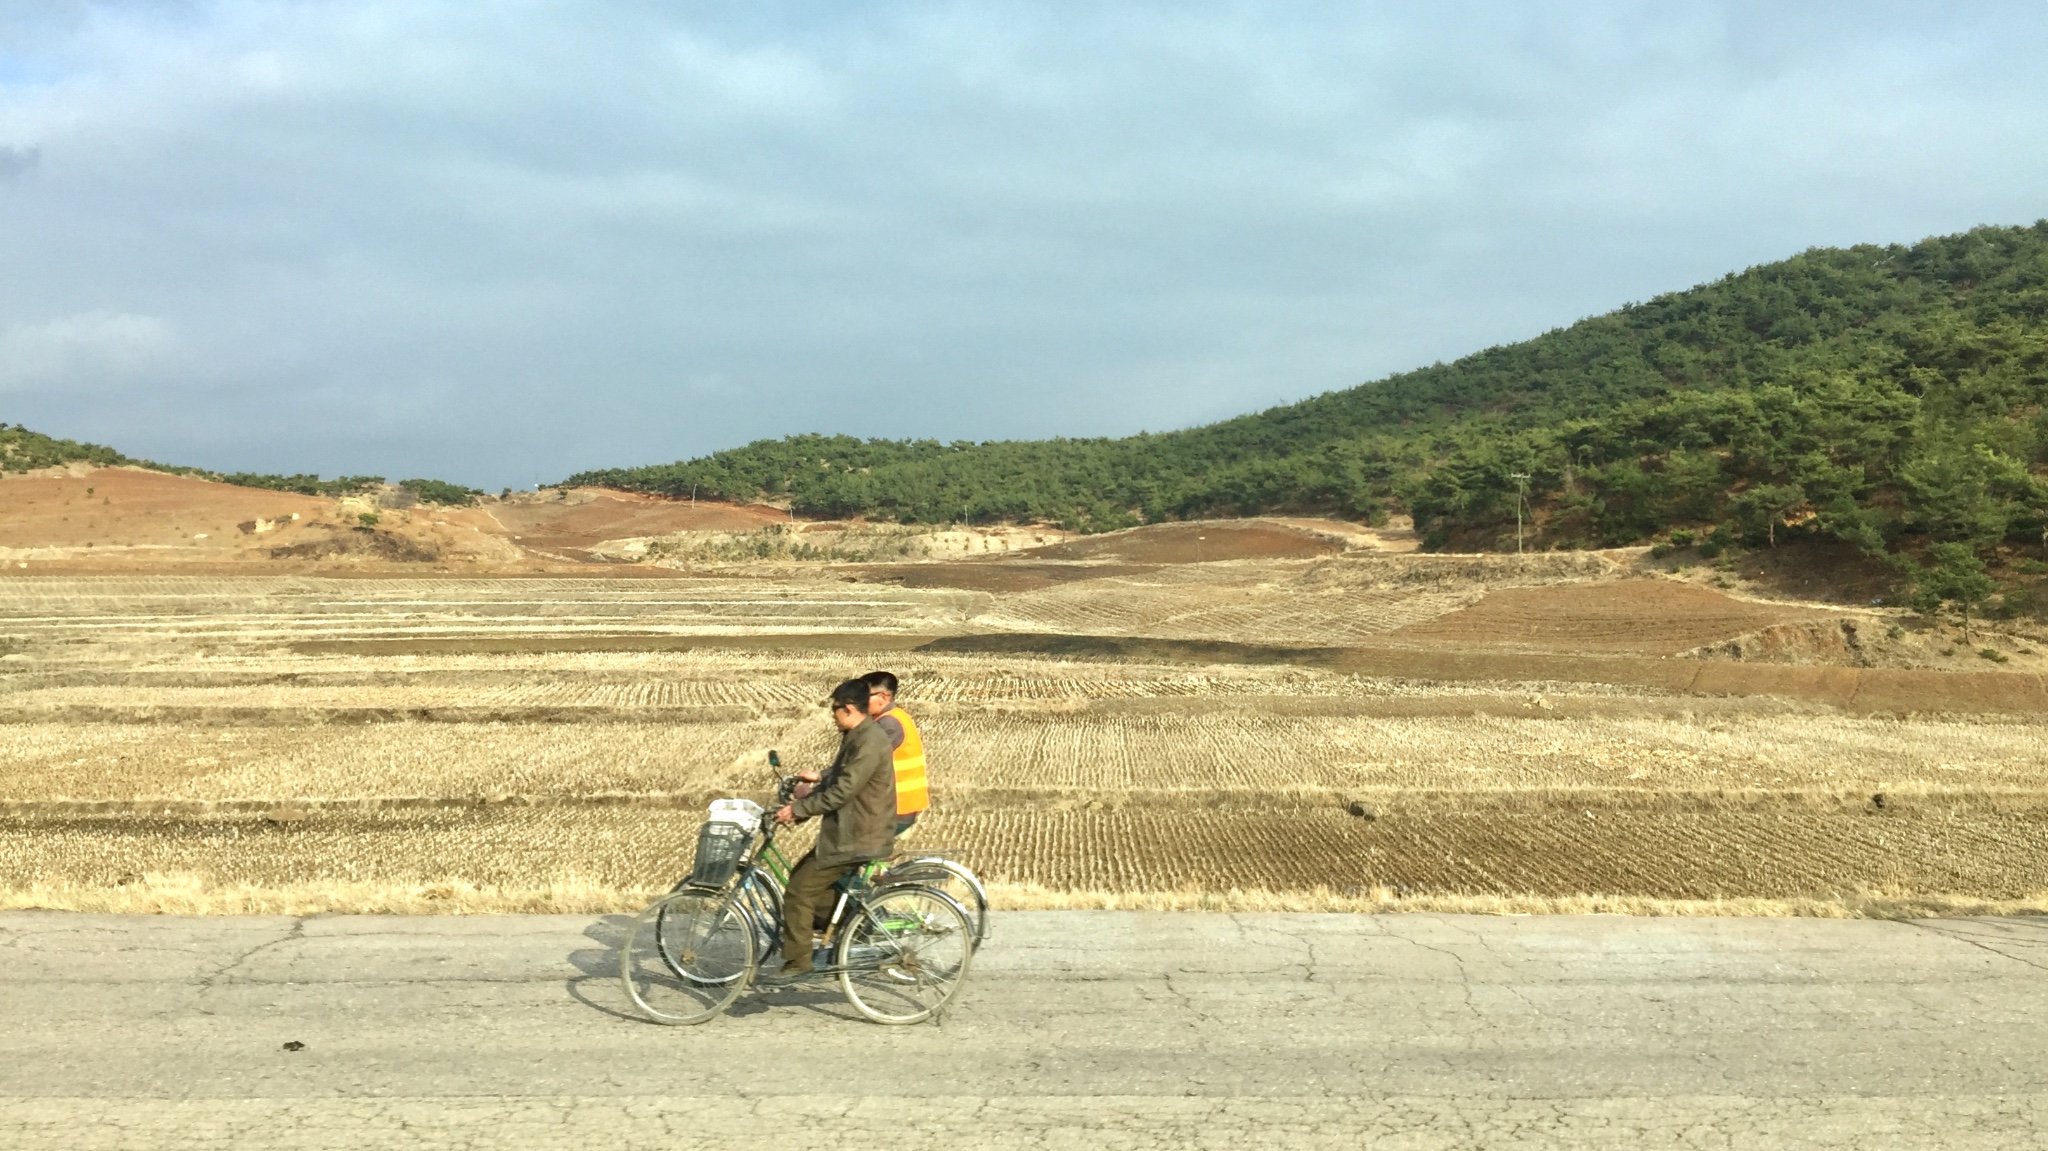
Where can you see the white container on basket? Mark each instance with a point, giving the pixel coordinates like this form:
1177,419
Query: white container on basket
744,812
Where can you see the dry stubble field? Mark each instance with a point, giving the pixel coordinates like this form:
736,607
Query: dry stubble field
303,743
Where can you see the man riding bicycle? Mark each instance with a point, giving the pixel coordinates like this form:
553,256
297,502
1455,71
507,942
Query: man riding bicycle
857,798
913,793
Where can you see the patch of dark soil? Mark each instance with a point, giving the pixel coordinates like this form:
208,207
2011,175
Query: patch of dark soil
1130,648
997,575
1640,616
1199,542
366,542
1826,570
1860,690
571,520
497,644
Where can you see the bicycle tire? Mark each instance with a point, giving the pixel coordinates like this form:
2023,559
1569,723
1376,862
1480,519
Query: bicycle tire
950,877
903,954
688,956
762,897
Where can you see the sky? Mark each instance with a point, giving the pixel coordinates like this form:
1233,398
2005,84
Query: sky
500,243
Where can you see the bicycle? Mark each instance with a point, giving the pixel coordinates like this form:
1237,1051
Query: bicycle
899,947
929,867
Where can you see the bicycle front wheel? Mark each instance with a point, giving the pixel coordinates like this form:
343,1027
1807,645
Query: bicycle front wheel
762,898
904,954
689,956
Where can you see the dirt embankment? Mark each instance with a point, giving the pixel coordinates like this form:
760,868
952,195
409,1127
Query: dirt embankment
570,522
128,519
117,510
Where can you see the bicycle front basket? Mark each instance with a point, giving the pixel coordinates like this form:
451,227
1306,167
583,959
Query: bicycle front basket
719,847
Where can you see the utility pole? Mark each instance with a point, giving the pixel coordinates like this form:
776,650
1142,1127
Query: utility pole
1521,495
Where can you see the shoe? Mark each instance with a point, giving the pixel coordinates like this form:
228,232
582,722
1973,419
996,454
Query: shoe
786,974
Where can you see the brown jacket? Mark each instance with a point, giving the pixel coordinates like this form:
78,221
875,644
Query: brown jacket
857,797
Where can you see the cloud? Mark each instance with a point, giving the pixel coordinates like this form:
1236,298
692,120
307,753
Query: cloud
85,352
495,241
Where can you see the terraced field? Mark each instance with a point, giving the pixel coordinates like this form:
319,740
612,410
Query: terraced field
241,744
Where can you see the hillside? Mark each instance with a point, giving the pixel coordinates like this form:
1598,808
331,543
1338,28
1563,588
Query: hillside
22,450
1886,396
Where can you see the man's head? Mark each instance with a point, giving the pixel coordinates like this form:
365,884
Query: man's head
850,704
881,692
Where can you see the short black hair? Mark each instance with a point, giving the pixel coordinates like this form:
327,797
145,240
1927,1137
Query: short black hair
852,693
880,681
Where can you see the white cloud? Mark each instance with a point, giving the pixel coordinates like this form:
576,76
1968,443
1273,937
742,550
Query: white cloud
420,237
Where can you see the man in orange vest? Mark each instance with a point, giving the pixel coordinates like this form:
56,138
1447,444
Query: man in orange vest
913,792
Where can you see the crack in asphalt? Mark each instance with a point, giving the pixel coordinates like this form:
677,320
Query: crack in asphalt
296,932
1962,937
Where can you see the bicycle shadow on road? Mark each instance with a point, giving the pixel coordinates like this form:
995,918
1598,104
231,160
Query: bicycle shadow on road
596,982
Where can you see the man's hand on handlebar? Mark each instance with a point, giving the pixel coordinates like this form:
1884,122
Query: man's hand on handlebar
786,815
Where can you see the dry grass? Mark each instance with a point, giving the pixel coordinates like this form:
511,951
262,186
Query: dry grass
175,894
160,893
1385,900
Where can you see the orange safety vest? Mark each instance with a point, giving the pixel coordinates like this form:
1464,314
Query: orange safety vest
913,793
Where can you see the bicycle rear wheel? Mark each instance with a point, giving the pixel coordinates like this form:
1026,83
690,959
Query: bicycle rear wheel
904,954
952,879
689,956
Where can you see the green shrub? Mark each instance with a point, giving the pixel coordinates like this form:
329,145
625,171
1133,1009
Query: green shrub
439,492
304,484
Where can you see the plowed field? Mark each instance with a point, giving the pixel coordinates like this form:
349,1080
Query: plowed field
165,736
1554,850
1651,617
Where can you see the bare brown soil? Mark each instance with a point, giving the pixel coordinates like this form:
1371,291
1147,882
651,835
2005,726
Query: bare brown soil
572,521
995,575
128,519
130,508
1647,617
1200,542
131,520
1819,570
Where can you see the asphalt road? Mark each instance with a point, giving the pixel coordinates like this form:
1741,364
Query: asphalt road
1080,1029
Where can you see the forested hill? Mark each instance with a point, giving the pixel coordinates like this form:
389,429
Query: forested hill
1883,395
22,450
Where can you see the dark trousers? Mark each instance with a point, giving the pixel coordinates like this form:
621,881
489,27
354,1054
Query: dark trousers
805,904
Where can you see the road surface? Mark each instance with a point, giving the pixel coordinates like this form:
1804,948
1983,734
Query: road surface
1079,1029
